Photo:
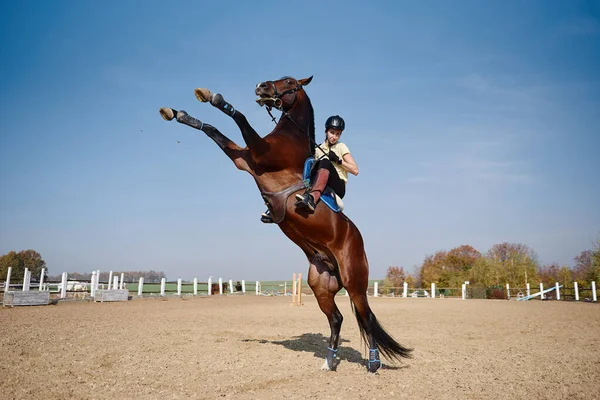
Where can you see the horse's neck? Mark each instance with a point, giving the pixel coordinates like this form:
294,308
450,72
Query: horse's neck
303,115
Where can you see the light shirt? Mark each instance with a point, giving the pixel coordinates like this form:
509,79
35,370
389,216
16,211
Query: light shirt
340,149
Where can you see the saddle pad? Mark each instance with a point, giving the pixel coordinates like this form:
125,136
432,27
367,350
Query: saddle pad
328,197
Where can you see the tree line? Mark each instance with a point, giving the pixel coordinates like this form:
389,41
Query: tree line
512,263
32,260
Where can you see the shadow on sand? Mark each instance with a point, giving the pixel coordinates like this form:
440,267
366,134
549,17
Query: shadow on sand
317,344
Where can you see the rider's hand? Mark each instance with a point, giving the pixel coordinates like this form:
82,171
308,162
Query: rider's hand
334,157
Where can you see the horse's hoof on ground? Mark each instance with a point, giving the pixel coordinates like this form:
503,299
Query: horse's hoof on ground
202,94
325,366
167,113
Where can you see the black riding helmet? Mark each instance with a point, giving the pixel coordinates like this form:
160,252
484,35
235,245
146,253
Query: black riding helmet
336,122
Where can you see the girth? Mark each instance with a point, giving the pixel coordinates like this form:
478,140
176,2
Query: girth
276,201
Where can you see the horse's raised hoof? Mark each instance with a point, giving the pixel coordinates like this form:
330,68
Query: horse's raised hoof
203,94
167,113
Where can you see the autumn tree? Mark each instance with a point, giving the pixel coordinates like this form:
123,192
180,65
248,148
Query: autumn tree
449,268
512,263
29,259
394,279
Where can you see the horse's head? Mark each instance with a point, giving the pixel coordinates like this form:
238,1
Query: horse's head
280,94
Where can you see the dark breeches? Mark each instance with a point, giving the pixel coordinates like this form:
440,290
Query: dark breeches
335,182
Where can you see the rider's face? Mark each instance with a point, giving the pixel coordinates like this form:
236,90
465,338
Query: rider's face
333,135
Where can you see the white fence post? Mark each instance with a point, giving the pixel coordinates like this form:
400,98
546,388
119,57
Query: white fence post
432,290
243,286
7,283
93,284
63,289
231,286
97,280
576,291
464,291
528,290
179,287
210,286
405,290
376,289
141,286
42,279
195,286
220,285
115,282
541,291
163,284
110,280
26,280
257,287
508,291
557,291
122,280
594,297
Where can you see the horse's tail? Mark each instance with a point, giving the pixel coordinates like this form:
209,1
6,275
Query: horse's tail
387,345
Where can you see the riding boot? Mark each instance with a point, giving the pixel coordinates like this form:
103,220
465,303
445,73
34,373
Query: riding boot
266,217
311,197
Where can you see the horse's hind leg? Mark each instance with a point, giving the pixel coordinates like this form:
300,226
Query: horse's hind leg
325,286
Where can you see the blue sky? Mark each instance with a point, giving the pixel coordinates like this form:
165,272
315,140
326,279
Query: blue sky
472,123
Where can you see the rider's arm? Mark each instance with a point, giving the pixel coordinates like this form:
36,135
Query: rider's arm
349,164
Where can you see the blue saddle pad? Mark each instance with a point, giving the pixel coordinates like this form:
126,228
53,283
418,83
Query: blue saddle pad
327,197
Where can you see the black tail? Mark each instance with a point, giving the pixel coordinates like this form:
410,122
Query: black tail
386,344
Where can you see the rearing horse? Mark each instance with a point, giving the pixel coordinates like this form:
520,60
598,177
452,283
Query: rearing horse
332,243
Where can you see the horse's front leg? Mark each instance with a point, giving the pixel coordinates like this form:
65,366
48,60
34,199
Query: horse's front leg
237,154
256,144
325,286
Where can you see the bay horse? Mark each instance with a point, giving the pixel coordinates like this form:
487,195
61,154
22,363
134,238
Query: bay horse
332,244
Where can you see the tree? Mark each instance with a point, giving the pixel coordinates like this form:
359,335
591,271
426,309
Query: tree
29,259
587,264
512,263
449,268
394,280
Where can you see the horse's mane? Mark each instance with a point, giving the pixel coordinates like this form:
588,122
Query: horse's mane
311,129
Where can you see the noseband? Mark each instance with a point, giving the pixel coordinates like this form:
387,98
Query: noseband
276,99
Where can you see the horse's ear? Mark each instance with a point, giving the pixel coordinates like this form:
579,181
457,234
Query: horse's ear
304,82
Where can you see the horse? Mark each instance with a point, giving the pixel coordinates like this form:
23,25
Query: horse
331,242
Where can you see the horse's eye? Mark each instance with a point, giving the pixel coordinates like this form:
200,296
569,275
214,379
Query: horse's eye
289,82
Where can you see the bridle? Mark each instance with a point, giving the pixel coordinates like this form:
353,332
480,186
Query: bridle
277,103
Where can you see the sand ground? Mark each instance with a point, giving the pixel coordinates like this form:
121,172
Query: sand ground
255,347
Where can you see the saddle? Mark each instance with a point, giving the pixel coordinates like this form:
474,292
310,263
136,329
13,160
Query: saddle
276,201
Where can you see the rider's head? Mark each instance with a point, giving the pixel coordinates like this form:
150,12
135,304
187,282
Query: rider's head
333,129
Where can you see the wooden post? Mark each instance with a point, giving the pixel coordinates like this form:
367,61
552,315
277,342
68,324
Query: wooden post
299,289
7,283
210,286
122,279
464,291
231,286
541,291
115,282
243,286
163,284
63,290
432,290
109,280
257,288
220,285
576,291
294,288
528,290
557,291
26,280
179,287
93,284
376,289
141,286
42,279
405,290
594,296
508,291
195,286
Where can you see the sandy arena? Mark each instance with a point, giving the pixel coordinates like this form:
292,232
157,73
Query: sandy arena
254,347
